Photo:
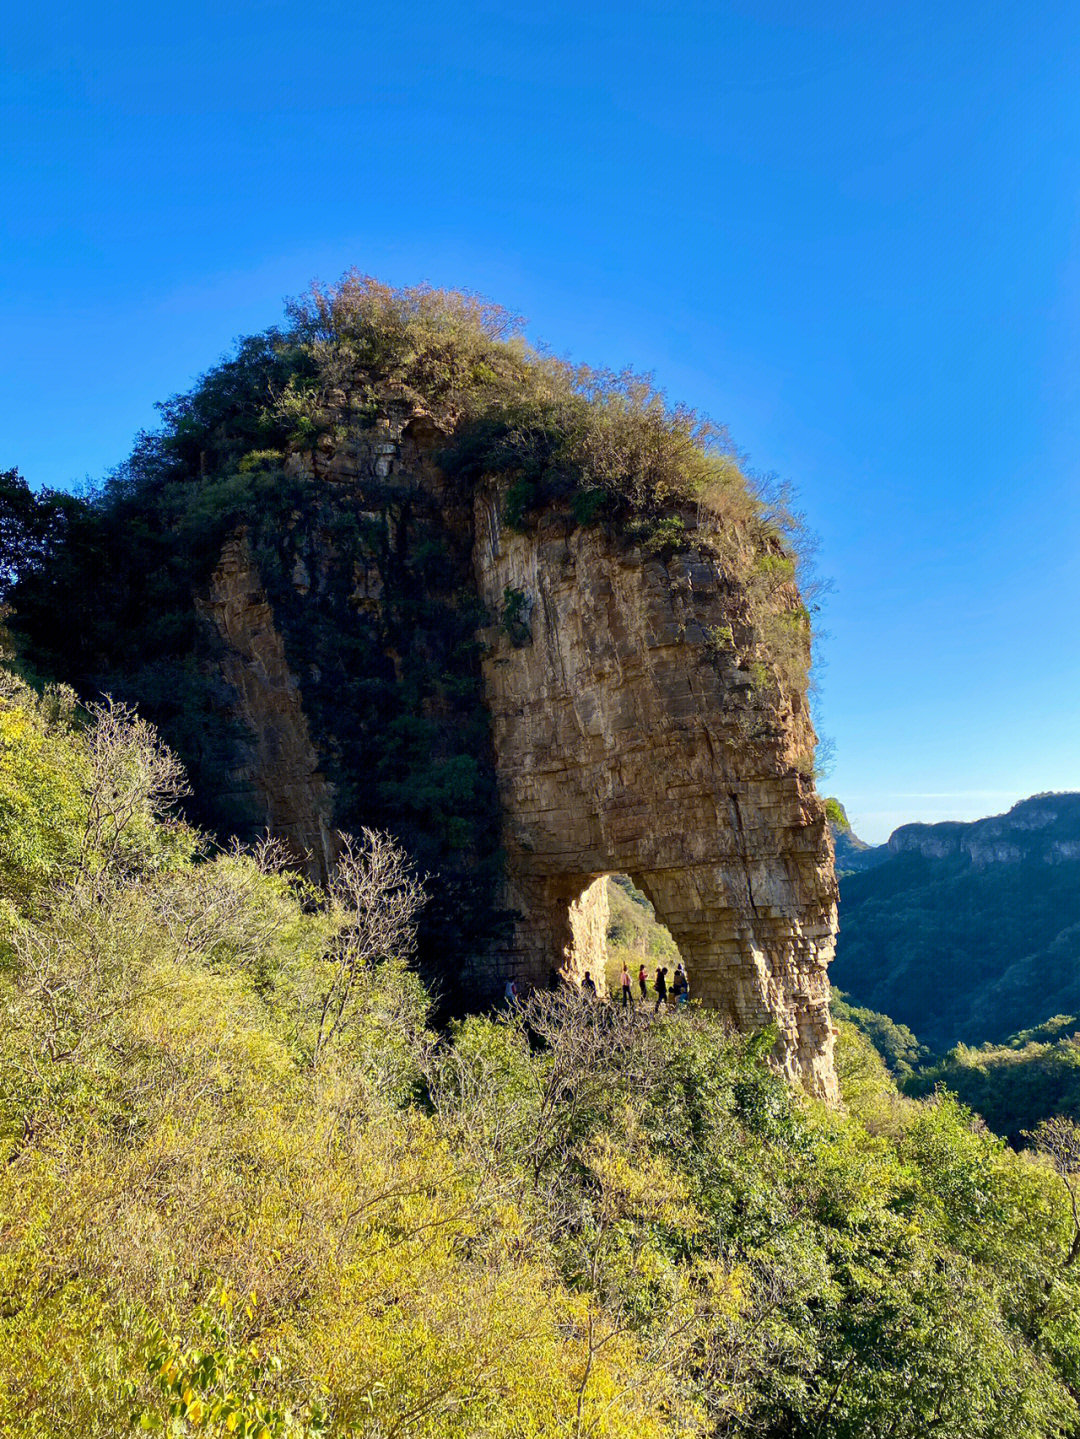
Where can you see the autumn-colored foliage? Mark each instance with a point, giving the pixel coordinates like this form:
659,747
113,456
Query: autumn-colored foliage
247,1190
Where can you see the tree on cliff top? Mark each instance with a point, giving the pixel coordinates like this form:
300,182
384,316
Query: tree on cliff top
31,527
553,428
599,443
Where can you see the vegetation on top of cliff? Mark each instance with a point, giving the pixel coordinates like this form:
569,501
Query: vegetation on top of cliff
836,814
602,443
246,1190
600,439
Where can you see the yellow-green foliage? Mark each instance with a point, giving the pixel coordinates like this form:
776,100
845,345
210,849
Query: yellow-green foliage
561,1221
164,1139
81,792
169,1143
42,777
1032,1076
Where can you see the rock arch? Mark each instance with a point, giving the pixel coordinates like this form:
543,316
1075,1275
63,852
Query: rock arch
625,737
622,745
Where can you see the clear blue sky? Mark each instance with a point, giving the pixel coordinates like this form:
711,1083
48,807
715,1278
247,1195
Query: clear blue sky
850,231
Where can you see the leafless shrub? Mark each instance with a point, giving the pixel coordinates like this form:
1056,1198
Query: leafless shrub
596,1055
225,909
133,778
375,895
1058,1139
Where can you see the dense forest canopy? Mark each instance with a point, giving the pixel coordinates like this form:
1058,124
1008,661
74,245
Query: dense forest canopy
961,952
248,1190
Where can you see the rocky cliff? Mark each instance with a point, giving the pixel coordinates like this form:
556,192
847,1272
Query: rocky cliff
621,738
1045,828
417,614
621,744
275,770
969,931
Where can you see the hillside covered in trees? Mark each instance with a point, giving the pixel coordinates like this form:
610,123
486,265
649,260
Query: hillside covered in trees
254,1181
247,1189
968,932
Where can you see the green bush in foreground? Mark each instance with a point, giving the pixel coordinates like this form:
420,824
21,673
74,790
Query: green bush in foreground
247,1190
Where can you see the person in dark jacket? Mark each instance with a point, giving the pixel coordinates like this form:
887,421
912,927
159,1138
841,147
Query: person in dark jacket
681,988
661,988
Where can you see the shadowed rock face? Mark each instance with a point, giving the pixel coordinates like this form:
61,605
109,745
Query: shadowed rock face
276,775
625,737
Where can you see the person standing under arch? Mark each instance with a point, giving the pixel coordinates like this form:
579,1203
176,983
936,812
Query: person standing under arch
681,988
661,988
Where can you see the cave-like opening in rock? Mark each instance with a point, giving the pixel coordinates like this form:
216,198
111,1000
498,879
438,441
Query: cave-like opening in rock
635,936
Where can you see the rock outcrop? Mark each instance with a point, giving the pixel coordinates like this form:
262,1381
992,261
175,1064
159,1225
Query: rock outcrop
1042,828
621,746
625,731
275,775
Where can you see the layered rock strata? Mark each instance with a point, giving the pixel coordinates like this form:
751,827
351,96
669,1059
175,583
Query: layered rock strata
626,735
621,746
276,774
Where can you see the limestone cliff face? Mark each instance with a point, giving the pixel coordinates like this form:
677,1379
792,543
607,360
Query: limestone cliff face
623,728
1042,829
276,774
621,742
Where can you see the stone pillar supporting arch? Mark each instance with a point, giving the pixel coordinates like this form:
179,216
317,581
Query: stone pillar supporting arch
625,743
560,932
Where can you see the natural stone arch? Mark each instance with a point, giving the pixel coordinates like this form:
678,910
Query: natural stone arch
626,737
624,743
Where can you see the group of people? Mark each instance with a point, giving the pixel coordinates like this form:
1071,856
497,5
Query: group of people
679,988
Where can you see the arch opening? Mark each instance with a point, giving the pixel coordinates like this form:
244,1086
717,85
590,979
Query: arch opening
635,934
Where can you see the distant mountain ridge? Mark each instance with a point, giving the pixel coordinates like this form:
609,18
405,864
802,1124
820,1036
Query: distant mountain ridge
1045,827
852,853
965,931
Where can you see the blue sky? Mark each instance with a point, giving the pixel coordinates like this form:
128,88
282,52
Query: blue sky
850,232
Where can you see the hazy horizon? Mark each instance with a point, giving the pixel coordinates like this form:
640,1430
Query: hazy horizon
875,826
